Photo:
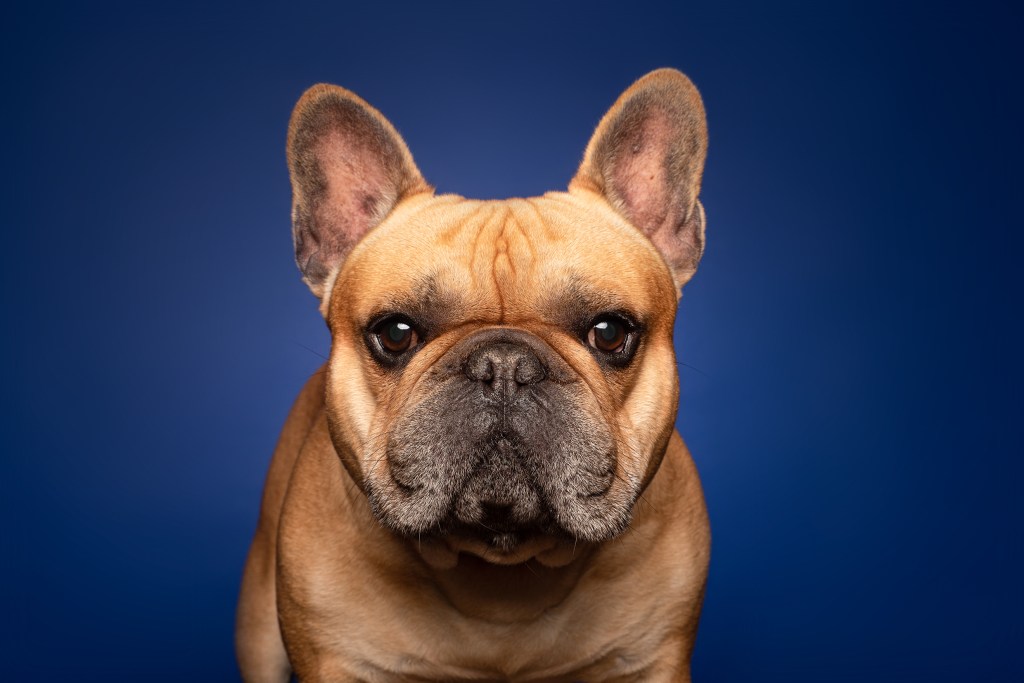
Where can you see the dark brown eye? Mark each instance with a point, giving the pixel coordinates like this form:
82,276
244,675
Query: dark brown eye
395,335
608,335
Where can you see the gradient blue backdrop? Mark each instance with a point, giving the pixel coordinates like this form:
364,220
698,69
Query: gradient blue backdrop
852,387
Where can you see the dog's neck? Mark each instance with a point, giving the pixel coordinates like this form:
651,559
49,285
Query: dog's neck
507,593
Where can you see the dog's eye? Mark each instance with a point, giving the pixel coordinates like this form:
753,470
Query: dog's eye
395,335
609,334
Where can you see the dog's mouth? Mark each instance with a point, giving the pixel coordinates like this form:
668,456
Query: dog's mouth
500,538
498,547
504,538
500,534
504,496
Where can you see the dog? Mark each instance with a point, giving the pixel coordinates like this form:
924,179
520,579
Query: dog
484,481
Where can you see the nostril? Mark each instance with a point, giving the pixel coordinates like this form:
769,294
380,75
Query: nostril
479,368
529,370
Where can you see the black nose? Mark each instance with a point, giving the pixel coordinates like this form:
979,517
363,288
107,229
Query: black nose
504,367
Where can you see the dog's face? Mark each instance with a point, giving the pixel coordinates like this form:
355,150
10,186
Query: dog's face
502,379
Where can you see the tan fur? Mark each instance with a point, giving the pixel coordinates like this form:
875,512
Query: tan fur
333,596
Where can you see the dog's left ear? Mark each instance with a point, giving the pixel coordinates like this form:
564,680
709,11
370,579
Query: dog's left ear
646,157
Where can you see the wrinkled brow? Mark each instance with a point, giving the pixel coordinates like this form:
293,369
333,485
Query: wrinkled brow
430,303
575,305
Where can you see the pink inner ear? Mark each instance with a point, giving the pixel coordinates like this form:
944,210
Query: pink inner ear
640,178
652,196
358,187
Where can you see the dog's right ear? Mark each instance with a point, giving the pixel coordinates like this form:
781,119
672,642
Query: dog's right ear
349,168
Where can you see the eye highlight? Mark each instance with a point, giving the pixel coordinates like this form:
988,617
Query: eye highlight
392,337
614,337
607,335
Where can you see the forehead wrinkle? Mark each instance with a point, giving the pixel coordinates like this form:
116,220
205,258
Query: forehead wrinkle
477,225
523,228
515,262
488,244
545,228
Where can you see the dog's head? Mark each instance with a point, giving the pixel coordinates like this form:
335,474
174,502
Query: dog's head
502,379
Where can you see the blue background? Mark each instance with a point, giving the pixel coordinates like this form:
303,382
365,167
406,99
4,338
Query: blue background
852,387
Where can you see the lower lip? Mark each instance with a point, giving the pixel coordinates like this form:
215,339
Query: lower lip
523,551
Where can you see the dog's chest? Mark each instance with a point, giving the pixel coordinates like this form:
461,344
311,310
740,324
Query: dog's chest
583,646
508,659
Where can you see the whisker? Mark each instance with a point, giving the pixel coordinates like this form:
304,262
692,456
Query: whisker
313,351
690,367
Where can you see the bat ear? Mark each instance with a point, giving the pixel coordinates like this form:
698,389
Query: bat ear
349,168
646,158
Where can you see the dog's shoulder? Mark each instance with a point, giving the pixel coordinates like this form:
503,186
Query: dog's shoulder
308,406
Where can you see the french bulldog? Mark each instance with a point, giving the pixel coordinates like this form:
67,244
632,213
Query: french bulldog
484,481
